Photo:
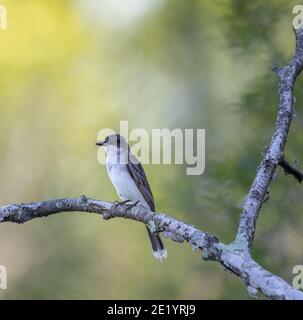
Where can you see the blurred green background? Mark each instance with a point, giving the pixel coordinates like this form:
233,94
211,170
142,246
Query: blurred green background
71,68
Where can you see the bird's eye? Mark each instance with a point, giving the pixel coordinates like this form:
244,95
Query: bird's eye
106,139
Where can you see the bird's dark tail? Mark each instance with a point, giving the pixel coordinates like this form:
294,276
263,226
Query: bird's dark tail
157,245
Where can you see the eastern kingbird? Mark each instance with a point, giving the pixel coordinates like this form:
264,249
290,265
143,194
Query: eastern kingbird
128,177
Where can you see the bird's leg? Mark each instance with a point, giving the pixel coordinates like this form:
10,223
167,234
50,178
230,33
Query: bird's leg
122,202
131,205
117,204
114,207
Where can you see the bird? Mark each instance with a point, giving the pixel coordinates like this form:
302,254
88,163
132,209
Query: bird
129,179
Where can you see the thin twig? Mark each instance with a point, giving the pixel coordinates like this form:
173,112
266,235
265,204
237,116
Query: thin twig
291,169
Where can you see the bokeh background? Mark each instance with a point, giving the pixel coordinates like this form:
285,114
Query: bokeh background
72,67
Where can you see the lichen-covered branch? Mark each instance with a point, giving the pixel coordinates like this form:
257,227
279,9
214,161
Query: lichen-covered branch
275,152
236,261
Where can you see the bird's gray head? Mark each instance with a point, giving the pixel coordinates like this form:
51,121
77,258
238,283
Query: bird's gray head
114,141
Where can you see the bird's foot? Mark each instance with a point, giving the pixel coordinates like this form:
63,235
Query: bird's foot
113,210
123,202
131,205
115,207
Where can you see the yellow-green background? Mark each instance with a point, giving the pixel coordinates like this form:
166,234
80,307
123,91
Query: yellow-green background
71,68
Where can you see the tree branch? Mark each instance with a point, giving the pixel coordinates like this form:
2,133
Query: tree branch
275,152
238,262
291,169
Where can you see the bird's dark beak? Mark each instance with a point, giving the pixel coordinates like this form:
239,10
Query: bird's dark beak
100,143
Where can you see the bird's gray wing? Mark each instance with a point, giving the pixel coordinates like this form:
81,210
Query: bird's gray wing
136,171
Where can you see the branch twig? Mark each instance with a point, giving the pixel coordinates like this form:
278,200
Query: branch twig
291,169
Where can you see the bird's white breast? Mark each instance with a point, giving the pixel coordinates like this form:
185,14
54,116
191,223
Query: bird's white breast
124,183
120,176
